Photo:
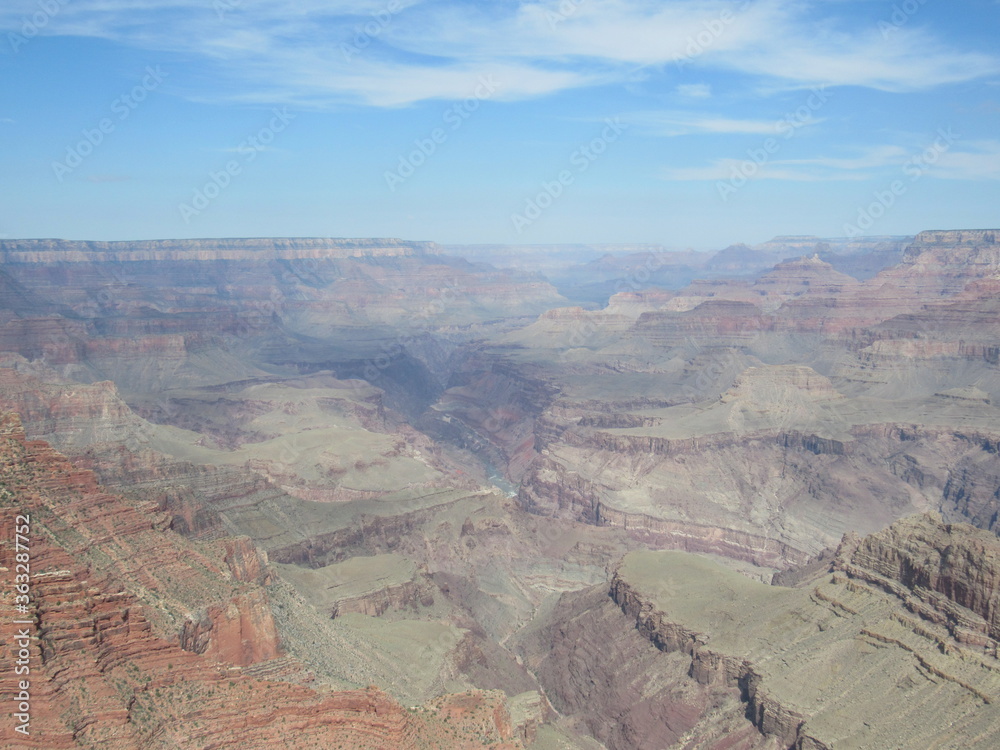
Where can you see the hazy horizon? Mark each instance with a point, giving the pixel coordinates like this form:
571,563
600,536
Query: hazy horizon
598,121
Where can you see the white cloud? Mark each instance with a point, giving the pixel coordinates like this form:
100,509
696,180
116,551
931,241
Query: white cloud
293,50
816,169
101,178
695,90
979,160
874,156
909,61
669,123
724,169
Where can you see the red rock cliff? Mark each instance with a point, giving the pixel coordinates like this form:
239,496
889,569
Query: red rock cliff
104,593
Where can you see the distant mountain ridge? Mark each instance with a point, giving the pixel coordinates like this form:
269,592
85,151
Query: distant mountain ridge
282,248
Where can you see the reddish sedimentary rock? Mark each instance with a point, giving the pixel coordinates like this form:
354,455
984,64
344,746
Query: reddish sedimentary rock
935,565
946,575
241,631
715,479
877,647
103,675
131,541
716,433
409,594
245,249
494,414
626,685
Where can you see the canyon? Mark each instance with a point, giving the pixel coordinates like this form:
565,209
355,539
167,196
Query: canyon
374,493
875,649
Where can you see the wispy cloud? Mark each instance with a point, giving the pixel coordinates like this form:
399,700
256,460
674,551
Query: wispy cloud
293,50
670,123
724,169
817,169
695,90
909,61
871,157
978,160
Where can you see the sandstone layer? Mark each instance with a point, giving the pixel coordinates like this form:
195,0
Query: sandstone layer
102,673
337,463
887,643
814,664
761,419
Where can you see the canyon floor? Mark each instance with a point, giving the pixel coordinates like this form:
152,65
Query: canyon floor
375,494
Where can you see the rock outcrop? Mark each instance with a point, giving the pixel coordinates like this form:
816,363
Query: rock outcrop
132,541
947,573
712,493
681,652
345,405
912,607
102,673
602,671
229,249
780,411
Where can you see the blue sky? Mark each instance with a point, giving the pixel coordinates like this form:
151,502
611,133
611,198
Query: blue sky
683,123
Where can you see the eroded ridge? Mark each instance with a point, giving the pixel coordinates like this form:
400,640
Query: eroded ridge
892,646
119,661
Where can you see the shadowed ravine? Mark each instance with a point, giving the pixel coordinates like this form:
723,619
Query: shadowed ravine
389,496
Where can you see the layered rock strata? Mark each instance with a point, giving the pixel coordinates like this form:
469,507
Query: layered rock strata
106,635
812,663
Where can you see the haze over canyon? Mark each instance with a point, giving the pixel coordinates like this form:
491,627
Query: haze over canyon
375,493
